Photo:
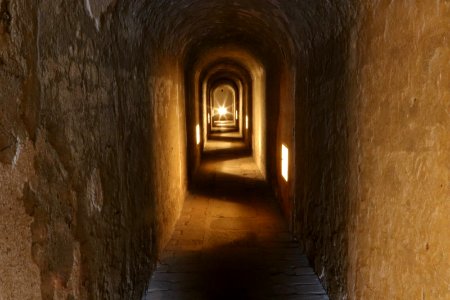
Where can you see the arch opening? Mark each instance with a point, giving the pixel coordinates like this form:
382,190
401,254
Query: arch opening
222,106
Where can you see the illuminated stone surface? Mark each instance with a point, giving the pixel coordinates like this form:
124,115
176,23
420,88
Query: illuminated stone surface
98,109
231,242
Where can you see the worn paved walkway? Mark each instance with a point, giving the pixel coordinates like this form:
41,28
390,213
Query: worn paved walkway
231,242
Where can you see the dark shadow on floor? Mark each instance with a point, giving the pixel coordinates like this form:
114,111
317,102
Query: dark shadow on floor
232,242
218,152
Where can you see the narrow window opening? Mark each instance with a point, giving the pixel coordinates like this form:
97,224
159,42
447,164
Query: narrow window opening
197,130
284,162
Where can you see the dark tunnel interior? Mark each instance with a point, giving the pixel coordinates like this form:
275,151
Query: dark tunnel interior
132,129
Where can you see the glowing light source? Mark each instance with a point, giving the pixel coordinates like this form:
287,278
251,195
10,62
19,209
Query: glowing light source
197,131
284,162
209,118
246,122
237,116
222,111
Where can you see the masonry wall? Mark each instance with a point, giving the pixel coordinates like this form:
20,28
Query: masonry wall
322,190
168,164
16,149
77,218
373,150
400,110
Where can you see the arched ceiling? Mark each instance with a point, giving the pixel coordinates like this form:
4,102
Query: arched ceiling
226,59
191,27
225,70
272,30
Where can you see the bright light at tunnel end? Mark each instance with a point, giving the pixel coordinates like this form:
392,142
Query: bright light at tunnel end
197,132
284,162
222,111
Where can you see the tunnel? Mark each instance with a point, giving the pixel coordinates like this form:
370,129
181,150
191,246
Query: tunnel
252,149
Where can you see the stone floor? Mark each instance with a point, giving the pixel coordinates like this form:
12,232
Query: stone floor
231,241
214,147
230,135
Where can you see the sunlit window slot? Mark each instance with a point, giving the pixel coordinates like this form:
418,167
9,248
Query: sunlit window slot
284,162
197,131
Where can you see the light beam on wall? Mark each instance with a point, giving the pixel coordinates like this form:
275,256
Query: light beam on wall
237,116
197,131
246,122
284,162
209,118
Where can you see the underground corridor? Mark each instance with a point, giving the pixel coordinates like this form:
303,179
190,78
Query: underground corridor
231,240
214,149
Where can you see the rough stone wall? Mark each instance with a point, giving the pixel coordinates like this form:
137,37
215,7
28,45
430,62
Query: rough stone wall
75,142
373,150
17,153
92,183
285,133
321,142
168,161
400,157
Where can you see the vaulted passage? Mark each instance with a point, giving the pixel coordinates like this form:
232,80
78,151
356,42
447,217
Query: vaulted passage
273,148
231,241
